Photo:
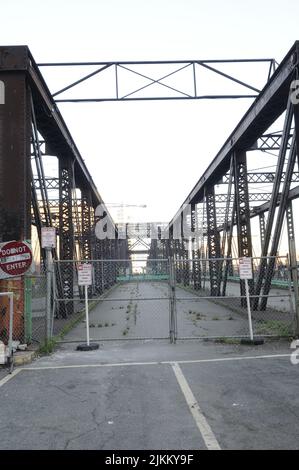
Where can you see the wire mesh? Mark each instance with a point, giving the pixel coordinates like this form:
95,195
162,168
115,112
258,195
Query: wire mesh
129,299
140,299
16,286
211,299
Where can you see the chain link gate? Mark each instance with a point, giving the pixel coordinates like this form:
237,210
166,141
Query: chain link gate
129,299
201,315
171,299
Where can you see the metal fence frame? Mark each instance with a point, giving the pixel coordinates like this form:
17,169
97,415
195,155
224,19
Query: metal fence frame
183,276
175,296
164,276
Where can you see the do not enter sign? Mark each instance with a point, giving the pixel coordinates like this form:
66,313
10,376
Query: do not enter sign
15,258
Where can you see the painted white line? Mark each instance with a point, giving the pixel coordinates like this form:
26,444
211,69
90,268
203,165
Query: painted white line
80,366
236,358
201,422
9,377
123,364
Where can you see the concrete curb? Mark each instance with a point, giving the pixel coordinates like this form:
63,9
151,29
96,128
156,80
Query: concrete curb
24,357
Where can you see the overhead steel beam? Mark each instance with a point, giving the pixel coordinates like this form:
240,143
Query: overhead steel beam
252,197
269,142
263,177
147,69
266,108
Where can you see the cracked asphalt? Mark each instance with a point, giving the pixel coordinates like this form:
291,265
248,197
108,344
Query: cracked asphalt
139,310
126,395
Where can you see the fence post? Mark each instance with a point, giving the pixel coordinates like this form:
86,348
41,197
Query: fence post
172,302
48,327
248,309
28,309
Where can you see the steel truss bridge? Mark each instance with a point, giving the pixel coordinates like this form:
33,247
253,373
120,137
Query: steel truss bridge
223,202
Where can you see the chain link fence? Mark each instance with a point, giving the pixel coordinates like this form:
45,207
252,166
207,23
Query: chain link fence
211,298
130,299
16,286
36,292
151,299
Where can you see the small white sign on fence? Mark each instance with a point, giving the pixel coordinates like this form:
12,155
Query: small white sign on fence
85,274
245,268
48,237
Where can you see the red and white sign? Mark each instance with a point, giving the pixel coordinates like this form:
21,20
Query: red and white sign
15,258
245,268
85,274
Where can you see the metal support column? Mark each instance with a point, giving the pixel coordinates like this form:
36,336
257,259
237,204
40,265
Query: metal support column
195,268
15,174
213,243
262,223
293,260
274,199
242,214
278,225
66,231
86,223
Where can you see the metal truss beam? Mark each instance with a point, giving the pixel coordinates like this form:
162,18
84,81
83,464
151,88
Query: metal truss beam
66,231
256,177
252,197
264,111
86,224
167,71
213,243
293,259
242,212
262,224
50,183
242,204
254,212
278,224
195,267
270,142
264,177
263,269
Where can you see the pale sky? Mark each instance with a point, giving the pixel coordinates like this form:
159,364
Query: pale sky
150,152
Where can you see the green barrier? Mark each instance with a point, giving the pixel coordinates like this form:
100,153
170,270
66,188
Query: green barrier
274,283
143,277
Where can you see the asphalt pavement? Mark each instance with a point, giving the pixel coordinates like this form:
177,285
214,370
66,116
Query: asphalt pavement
150,394
154,395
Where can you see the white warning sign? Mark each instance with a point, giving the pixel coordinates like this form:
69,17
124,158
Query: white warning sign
85,274
245,268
